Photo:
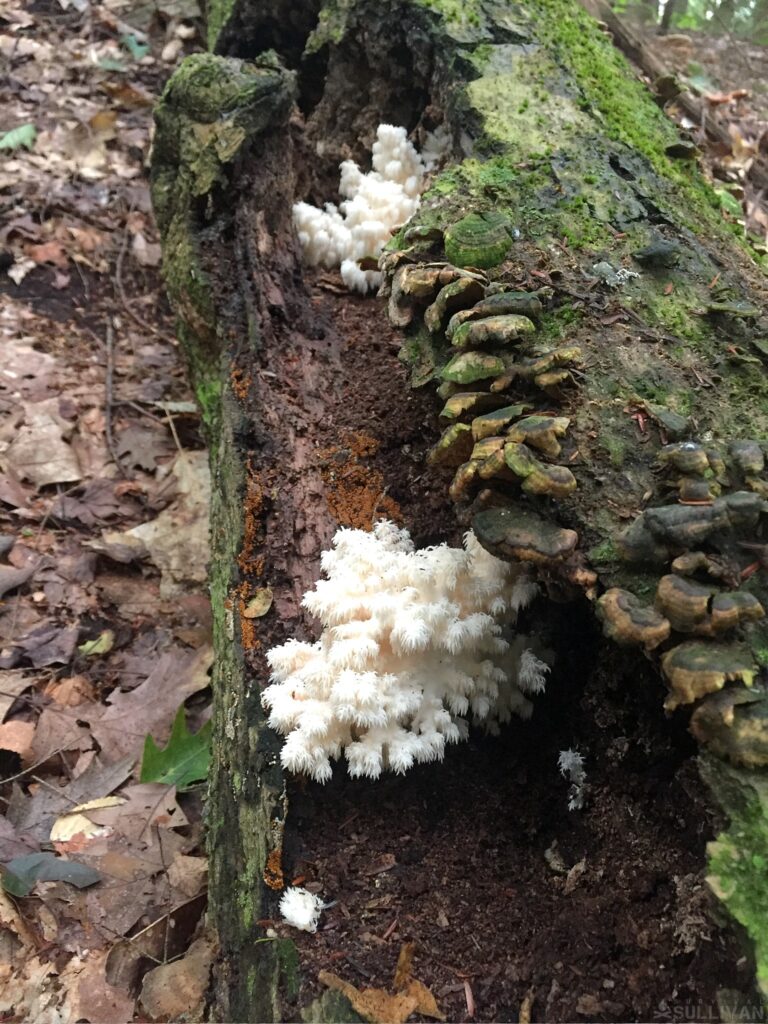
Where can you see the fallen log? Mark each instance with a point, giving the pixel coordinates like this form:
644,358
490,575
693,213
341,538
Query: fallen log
564,180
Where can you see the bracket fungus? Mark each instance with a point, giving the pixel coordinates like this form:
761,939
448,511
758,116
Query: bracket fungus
537,477
492,423
479,240
524,536
541,432
734,724
468,367
454,446
696,668
629,622
464,403
493,330
451,297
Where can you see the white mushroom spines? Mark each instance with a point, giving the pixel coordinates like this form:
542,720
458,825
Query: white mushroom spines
374,205
411,647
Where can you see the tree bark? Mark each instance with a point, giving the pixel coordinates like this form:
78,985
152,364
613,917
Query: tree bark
564,176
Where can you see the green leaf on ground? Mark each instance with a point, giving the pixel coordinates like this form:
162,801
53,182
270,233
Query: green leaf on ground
136,49
23,136
20,874
101,645
184,761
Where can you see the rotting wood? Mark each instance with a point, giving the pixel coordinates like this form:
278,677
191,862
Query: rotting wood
555,132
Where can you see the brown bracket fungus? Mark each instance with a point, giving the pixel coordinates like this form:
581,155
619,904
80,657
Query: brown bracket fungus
471,403
494,422
733,724
748,457
628,622
687,457
522,535
454,446
696,668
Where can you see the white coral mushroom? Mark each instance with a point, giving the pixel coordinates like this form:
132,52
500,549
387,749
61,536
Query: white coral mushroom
374,205
411,648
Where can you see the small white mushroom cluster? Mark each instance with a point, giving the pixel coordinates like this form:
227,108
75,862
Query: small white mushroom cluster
374,205
412,649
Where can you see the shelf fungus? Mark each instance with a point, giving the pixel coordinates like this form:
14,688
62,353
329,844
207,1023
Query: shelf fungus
456,295
658,533
493,422
524,536
468,367
687,457
538,477
691,562
540,432
697,608
416,285
454,446
547,369
629,622
696,668
493,330
733,724
748,457
464,403
479,239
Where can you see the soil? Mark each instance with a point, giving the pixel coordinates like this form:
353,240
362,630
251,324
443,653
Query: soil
516,905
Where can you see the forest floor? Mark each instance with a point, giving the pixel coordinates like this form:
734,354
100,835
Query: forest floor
105,630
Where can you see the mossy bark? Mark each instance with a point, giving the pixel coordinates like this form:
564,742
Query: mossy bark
554,137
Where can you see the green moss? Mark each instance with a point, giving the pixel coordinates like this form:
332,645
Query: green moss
458,14
208,390
557,324
217,15
288,958
611,90
616,448
738,859
605,551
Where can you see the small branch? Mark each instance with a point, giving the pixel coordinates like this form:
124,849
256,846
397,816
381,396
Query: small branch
108,400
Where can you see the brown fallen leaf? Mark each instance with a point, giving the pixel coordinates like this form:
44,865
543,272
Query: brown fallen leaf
187,875
121,726
48,252
39,451
171,991
18,736
181,564
13,683
374,1004
71,691
377,1005
89,996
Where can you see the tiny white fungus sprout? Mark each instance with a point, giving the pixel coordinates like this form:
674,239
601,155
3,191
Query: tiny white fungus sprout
571,764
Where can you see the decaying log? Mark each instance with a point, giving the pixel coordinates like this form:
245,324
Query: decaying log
564,179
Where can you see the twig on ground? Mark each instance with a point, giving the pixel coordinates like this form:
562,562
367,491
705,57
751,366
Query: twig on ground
108,397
